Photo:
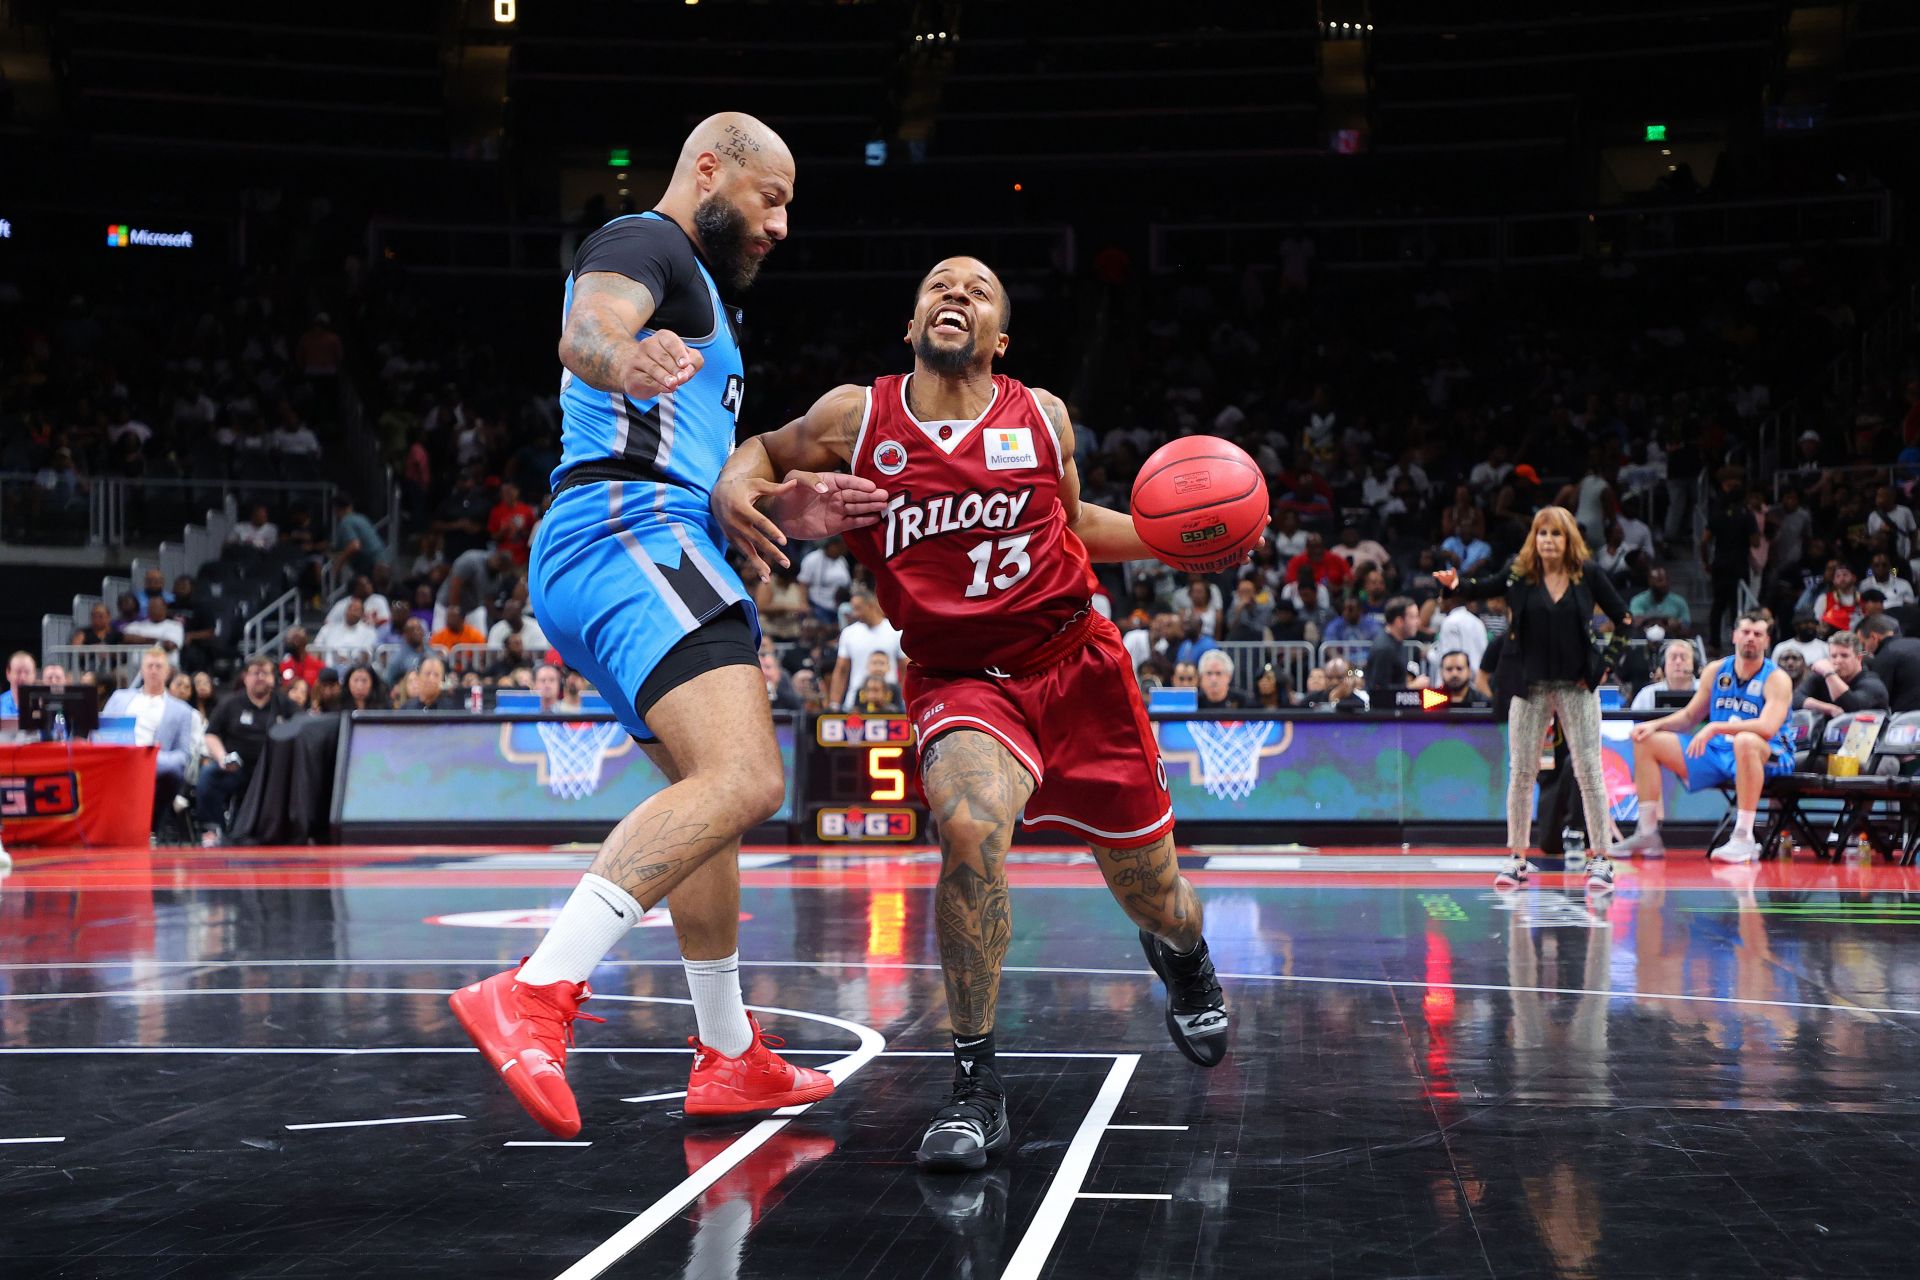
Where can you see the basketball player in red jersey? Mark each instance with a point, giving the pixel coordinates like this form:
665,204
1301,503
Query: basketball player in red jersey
1024,698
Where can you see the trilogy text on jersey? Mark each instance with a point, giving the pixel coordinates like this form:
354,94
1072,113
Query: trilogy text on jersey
908,521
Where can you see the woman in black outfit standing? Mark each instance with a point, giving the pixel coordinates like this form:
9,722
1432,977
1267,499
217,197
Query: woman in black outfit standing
1550,668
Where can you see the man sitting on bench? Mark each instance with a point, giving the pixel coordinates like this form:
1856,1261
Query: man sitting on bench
1746,700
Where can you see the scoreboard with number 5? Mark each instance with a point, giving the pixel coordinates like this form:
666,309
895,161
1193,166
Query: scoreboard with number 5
860,779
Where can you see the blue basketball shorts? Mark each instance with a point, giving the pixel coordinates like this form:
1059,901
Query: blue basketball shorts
1714,767
620,574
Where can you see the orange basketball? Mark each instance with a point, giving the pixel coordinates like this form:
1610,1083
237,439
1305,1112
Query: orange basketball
1200,503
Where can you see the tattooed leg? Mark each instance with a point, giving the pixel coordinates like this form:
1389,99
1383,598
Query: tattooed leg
706,905
977,790
1150,889
718,731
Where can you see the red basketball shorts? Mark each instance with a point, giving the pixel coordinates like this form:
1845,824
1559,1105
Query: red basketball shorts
1077,726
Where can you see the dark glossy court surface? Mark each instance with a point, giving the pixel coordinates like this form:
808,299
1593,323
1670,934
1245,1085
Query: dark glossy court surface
240,1064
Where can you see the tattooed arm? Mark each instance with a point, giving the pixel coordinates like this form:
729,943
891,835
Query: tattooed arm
976,790
1108,535
786,483
597,344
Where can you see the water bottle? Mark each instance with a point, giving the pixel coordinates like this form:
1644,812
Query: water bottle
476,699
59,725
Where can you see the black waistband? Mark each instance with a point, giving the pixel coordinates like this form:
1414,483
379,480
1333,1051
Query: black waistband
612,471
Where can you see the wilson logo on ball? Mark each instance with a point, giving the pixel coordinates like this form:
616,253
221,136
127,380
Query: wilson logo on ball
1208,534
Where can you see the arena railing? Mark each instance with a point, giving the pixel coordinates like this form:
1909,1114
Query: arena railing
107,662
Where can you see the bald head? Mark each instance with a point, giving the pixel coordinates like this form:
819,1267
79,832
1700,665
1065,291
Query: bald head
730,190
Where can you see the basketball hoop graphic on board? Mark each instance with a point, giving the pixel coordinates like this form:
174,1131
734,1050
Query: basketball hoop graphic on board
568,755
1223,756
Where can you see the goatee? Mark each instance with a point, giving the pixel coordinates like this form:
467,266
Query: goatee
936,359
725,240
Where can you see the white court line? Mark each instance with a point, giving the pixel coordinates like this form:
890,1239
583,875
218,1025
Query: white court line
366,1124
1169,1128
1122,1195
17,1141
338,1052
546,1144
675,1202
1031,1257
661,1097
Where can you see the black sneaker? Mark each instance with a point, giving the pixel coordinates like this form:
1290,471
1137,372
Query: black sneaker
972,1125
1196,1007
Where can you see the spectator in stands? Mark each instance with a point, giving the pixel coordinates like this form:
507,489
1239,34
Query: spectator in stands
868,633
181,687
54,676
319,351
825,571
510,524
432,555
196,623
158,627
461,520
160,720
1790,660
298,663
1679,673
129,610
1270,691
1792,523
156,585
1460,629
513,658
257,530
1215,670
780,691
1327,569
1194,642
515,622
550,684
375,608
1613,558
807,689
1889,517
430,689
1251,612
205,694
469,590
292,438
327,693
99,628
1201,601
363,691
877,697
782,602
1287,538
1341,691
1895,591
1660,600
458,631
1839,682
1312,602
351,640
1186,675
1456,680
20,674
1805,638
413,650
235,741
356,543
1357,550
1838,606
395,630
300,694
1896,660
1353,626
1388,667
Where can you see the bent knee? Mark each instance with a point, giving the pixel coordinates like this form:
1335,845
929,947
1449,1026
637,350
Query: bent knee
1747,746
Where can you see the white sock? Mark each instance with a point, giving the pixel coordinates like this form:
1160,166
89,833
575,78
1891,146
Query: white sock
1743,825
596,917
715,988
1650,814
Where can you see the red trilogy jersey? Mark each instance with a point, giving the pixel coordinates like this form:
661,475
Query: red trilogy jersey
973,559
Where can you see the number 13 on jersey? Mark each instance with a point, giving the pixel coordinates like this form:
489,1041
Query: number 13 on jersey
1013,563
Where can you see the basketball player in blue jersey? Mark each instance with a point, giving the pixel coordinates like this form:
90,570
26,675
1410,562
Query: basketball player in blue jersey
1746,700
630,582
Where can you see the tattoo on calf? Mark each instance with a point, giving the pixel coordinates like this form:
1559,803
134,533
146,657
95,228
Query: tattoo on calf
1148,883
976,790
655,849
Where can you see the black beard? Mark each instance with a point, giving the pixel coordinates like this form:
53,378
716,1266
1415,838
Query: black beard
945,360
724,240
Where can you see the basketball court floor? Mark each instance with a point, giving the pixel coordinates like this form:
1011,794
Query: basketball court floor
239,1063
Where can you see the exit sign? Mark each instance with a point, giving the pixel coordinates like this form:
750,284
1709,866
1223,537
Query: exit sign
1656,133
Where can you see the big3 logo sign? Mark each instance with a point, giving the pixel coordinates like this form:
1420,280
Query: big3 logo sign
42,795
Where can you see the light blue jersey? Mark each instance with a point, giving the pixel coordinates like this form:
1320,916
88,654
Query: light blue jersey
1735,699
629,559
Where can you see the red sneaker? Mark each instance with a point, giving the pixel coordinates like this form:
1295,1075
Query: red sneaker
757,1080
523,1032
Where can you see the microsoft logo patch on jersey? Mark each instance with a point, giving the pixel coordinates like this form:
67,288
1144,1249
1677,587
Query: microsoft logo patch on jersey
1010,448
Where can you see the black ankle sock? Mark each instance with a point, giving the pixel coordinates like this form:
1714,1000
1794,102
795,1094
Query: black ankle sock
1184,961
975,1053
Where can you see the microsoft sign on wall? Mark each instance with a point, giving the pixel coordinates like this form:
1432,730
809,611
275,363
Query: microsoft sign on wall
121,236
